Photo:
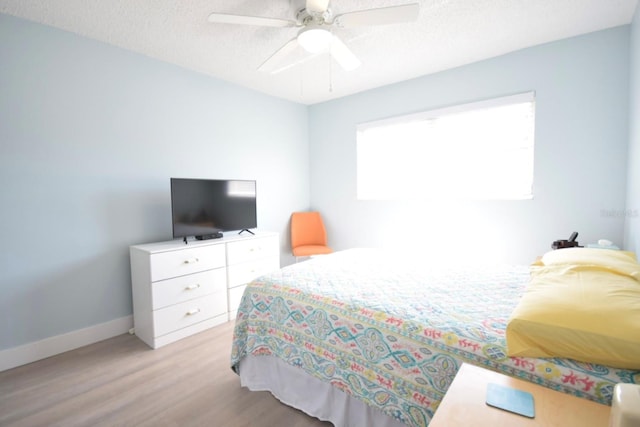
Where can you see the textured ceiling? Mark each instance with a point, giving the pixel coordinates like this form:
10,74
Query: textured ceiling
448,33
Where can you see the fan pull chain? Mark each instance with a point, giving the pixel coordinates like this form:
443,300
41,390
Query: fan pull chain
331,66
330,74
300,69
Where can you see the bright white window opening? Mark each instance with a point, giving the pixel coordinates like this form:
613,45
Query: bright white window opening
482,150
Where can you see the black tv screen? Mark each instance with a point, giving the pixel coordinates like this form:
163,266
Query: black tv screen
206,207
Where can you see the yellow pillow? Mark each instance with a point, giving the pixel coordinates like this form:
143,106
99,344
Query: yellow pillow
621,262
586,309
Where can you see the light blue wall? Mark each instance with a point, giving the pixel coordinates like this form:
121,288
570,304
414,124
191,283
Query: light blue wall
89,136
582,118
632,214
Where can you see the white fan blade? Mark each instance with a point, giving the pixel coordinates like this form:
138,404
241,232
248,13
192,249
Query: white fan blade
296,62
379,16
273,64
223,18
317,6
343,55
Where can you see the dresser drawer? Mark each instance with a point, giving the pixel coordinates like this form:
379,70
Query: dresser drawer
165,265
184,288
240,274
252,249
181,289
235,296
187,313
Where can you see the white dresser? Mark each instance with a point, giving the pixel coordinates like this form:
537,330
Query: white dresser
181,289
246,260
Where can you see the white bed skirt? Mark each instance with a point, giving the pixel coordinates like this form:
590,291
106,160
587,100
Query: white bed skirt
295,388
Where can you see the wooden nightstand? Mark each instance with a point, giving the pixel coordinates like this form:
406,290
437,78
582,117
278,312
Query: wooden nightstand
464,404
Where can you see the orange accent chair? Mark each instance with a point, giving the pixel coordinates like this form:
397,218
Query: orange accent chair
308,235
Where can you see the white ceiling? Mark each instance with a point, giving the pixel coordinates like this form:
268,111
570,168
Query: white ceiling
448,33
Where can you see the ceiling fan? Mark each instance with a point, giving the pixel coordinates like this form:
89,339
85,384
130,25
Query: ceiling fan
315,36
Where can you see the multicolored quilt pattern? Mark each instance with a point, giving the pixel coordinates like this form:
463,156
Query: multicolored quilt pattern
393,333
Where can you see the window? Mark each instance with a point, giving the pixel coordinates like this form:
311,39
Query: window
482,150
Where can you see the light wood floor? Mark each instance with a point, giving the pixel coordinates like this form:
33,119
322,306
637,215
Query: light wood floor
122,382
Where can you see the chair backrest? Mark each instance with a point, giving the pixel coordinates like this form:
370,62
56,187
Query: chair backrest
307,228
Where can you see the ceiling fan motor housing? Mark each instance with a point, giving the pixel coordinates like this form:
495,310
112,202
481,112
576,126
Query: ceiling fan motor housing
305,17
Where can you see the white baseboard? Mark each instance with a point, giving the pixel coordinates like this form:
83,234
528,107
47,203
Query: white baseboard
48,347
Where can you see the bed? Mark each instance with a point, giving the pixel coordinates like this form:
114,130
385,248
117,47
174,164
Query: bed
362,337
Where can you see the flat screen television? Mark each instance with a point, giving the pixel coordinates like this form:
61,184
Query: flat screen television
204,208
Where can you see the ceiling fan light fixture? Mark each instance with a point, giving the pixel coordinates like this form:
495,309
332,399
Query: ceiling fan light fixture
314,39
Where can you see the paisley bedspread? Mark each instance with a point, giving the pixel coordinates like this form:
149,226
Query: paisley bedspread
393,332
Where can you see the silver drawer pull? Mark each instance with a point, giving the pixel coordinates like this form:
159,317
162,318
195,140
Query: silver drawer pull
192,287
193,311
191,260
